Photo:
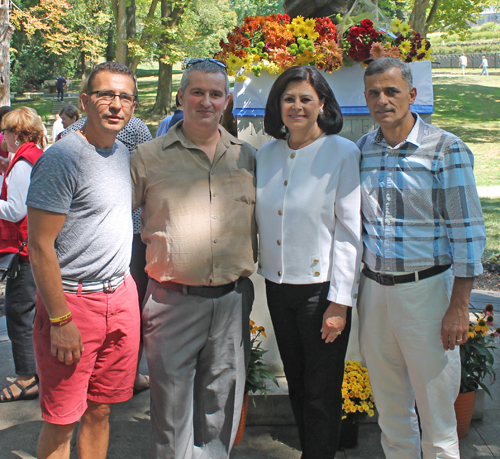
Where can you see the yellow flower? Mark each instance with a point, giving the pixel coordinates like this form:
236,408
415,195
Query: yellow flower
395,24
241,78
405,46
311,23
404,28
234,62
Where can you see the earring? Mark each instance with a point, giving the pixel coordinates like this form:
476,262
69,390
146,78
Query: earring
321,111
17,143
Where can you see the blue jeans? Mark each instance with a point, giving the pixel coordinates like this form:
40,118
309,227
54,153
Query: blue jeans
485,71
20,314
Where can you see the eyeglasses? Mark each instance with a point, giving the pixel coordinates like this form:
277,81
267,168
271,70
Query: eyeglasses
108,96
213,61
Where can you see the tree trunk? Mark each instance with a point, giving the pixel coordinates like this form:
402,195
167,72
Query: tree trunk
6,30
110,44
164,94
432,14
419,15
119,12
144,36
131,30
84,64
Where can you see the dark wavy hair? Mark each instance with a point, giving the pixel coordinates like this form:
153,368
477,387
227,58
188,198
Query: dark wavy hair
330,122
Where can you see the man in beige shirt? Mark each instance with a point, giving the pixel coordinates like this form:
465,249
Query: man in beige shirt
196,187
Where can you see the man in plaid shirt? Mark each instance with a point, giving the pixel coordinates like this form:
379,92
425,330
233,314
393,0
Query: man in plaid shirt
423,234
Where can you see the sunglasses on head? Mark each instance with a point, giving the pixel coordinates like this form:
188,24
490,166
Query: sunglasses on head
213,61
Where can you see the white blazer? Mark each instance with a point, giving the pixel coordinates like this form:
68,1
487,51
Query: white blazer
308,211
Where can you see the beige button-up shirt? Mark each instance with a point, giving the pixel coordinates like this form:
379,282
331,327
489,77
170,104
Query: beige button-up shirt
198,217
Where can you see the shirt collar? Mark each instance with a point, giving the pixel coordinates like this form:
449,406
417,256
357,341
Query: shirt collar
174,134
414,137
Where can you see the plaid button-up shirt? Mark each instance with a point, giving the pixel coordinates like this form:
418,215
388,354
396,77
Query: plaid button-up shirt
419,203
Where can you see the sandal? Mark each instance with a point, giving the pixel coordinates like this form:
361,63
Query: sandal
142,387
23,395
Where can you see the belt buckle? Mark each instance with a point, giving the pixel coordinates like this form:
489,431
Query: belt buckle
386,280
108,287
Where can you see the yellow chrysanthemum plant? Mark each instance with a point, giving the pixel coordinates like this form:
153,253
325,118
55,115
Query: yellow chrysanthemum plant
476,354
356,392
257,372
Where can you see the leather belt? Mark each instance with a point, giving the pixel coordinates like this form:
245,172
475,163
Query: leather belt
202,290
388,279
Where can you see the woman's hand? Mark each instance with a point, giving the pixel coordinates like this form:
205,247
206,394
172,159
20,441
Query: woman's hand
334,320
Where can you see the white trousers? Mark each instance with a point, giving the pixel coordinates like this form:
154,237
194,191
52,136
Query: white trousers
400,341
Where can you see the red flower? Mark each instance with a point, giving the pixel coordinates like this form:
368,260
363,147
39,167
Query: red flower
366,23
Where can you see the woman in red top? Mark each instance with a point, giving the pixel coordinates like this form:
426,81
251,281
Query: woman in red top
23,132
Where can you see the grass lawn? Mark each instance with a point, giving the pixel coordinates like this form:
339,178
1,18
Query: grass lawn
491,212
468,107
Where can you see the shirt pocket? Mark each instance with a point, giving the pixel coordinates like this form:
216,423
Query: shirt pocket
243,184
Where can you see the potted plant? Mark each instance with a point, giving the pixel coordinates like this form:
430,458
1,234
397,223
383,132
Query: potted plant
257,375
358,402
477,361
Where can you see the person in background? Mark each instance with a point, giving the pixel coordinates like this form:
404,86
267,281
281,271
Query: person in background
134,133
23,133
69,115
309,221
60,85
484,66
463,62
57,127
424,236
172,119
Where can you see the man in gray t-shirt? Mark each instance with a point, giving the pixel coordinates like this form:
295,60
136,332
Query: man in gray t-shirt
86,331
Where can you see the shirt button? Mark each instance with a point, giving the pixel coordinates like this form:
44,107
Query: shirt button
315,261
292,155
355,295
286,183
215,241
214,195
280,212
390,174
279,242
358,281
388,198
279,273
215,217
316,274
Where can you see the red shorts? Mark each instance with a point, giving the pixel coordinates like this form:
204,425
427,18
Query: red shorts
109,325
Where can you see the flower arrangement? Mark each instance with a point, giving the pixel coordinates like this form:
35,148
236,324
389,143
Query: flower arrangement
275,43
356,392
476,353
257,373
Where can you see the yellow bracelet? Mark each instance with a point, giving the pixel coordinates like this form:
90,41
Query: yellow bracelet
62,318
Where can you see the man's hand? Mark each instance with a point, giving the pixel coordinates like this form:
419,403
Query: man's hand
455,324
66,343
334,320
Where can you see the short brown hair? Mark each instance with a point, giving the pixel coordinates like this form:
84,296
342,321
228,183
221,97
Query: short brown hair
26,123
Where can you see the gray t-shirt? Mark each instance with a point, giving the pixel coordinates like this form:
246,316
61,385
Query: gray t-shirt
93,188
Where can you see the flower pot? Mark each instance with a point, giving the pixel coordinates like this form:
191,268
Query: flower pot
349,433
243,421
464,406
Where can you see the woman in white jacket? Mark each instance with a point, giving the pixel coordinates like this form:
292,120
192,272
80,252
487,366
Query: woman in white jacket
308,214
